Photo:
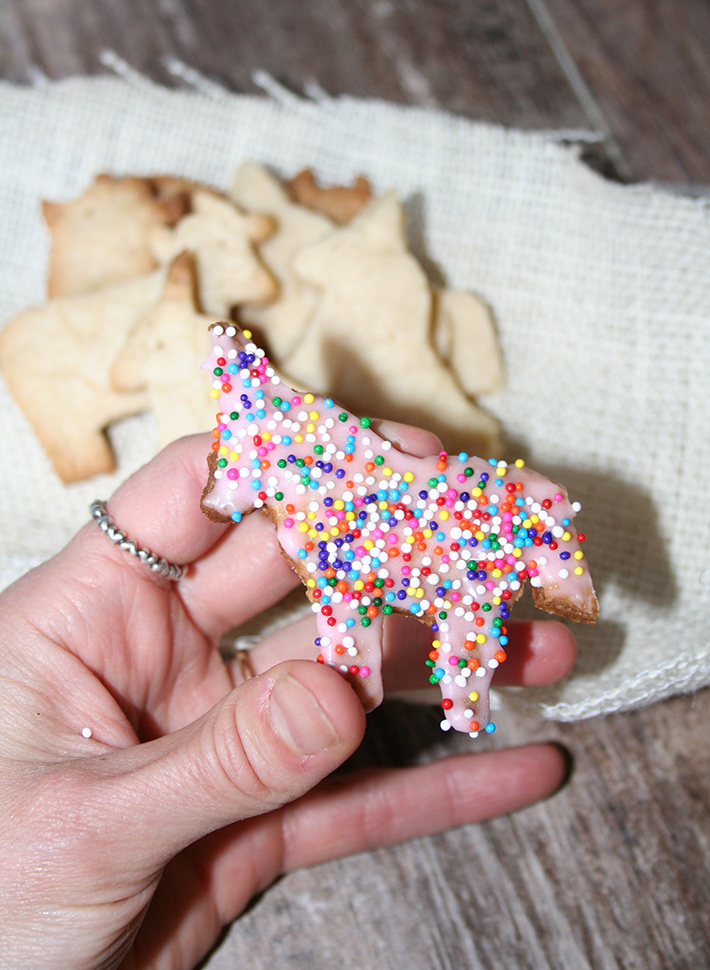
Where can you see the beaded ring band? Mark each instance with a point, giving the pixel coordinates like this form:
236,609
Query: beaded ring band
100,515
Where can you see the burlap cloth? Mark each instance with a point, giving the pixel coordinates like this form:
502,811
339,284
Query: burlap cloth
601,294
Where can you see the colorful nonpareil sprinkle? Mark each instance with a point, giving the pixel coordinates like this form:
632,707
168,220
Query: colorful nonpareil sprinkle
450,539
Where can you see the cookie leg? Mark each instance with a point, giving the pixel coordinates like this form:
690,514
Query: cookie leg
354,648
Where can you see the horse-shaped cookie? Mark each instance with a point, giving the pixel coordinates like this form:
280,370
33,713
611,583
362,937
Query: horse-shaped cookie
370,530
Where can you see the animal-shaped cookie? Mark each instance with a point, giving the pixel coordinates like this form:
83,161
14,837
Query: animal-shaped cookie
370,530
162,355
370,334
222,241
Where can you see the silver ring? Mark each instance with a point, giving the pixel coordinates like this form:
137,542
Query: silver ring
100,515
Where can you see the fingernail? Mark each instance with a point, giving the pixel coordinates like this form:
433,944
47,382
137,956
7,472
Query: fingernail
299,718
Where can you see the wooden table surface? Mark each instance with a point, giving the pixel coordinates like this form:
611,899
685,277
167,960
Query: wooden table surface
614,871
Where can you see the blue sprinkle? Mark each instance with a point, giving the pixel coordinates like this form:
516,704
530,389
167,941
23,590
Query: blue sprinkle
236,516
463,456
328,403
490,727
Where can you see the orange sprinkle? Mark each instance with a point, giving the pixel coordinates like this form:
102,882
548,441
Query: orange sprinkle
264,463
469,644
392,552
339,649
348,457
215,446
433,654
290,509
372,612
329,573
501,656
473,725
437,550
341,586
421,546
473,664
370,466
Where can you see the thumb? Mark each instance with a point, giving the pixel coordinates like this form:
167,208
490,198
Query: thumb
268,742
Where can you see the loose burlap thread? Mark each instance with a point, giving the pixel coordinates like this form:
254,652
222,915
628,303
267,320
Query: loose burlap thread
601,295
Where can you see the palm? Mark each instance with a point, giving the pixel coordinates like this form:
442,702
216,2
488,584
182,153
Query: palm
138,662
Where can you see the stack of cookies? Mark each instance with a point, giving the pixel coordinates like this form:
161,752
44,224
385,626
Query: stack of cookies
140,267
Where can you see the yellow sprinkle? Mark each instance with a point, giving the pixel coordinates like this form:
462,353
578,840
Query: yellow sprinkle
214,393
411,591
519,463
314,415
480,535
443,515
527,523
387,472
481,638
266,435
359,584
436,644
476,491
311,515
382,505
247,334
420,592
233,455
473,696
447,604
311,583
496,600
349,516
335,531
313,534
298,438
500,472
408,477
566,537
338,504
578,571
303,527
369,544
427,533
535,518
579,554
308,398
517,553
497,573
223,450
310,428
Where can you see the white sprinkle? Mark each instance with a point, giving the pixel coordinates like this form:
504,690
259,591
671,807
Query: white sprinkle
445,725
86,732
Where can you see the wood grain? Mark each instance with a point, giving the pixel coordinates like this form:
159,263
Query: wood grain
487,60
612,872
647,69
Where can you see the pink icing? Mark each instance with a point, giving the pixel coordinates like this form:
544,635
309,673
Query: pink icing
371,530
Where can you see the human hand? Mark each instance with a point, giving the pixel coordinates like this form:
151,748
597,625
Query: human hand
134,847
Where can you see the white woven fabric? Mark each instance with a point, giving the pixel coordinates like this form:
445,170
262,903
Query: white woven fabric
601,295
